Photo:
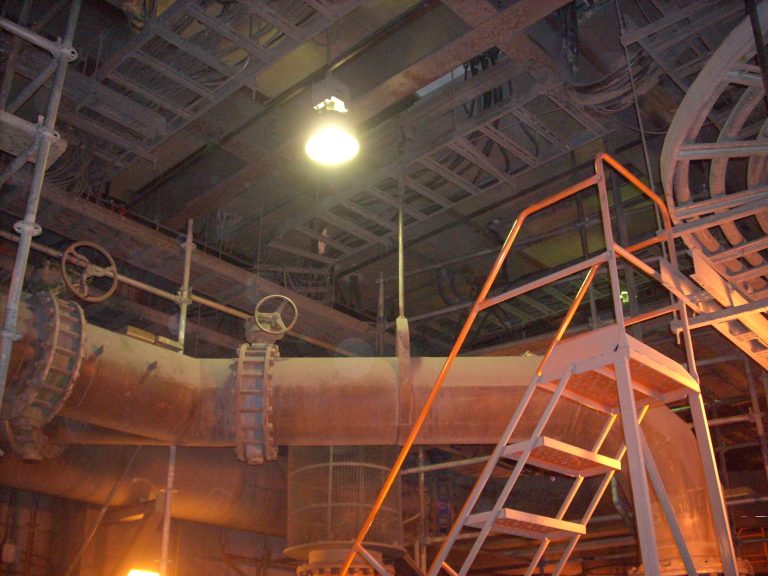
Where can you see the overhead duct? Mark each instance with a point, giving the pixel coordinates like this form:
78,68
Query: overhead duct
137,388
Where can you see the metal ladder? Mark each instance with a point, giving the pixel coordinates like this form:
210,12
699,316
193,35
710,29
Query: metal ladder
605,370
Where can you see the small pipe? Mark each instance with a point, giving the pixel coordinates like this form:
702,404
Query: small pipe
234,312
18,162
184,291
32,87
750,500
421,541
102,512
739,446
10,63
594,318
57,49
726,420
400,225
421,468
166,537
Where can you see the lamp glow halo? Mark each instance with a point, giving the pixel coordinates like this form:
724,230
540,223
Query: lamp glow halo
331,144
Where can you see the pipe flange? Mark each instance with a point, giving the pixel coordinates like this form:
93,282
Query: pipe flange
50,383
253,403
317,569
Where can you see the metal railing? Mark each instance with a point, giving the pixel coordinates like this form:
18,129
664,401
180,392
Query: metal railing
482,302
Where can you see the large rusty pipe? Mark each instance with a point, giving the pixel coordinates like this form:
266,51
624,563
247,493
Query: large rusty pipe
210,485
138,388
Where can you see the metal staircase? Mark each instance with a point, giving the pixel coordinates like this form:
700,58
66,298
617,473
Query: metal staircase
606,371
590,370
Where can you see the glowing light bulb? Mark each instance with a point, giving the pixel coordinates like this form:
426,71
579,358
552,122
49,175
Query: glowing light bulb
332,144
135,572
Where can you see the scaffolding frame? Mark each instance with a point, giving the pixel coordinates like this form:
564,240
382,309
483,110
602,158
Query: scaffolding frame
62,53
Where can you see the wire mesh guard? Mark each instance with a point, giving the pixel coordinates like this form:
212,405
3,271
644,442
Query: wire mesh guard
331,490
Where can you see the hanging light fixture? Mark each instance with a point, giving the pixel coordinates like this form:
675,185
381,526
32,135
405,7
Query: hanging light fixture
332,140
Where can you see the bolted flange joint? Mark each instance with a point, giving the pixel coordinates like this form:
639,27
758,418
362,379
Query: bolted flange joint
37,395
253,403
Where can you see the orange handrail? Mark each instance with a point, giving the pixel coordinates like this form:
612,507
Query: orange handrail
655,198
477,307
568,317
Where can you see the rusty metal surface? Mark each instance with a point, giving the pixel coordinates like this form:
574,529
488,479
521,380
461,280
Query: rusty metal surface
253,403
134,387
211,485
138,388
37,394
160,254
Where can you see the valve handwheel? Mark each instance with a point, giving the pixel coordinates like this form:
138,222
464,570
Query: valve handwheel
271,317
84,261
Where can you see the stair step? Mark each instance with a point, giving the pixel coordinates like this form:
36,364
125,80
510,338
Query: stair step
67,352
557,456
527,525
58,370
591,358
746,336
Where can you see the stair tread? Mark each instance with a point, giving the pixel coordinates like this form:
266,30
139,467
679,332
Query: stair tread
592,356
528,525
556,456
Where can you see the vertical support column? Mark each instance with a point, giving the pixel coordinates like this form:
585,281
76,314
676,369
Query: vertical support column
629,271
422,539
166,536
28,228
757,414
381,321
593,315
714,489
402,330
641,495
184,299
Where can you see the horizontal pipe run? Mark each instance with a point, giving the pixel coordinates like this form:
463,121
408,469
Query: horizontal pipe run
211,486
546,280
726,420
175,298
134,387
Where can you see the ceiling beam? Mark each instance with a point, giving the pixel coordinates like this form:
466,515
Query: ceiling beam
499,27
318,324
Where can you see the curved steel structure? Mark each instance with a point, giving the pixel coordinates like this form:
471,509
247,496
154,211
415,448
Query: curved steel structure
713,164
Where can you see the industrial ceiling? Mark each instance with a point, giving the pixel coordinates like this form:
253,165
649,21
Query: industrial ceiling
190,116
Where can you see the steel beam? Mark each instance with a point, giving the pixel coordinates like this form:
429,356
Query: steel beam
736,149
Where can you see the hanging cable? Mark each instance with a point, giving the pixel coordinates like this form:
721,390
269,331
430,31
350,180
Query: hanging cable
638,114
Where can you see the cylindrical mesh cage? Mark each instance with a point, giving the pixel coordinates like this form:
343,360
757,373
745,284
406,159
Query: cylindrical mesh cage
331,490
